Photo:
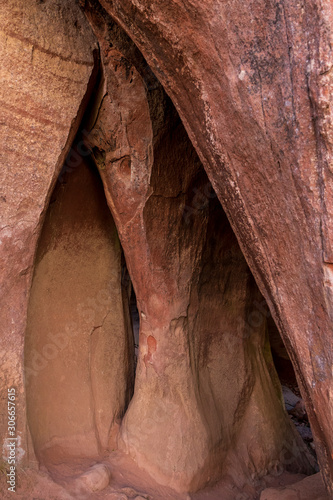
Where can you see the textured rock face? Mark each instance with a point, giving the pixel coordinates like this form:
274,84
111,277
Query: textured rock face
79,362
310,488
252,83
47,62
207,403
195,297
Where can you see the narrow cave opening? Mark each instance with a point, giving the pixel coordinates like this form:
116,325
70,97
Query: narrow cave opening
79,349
202,198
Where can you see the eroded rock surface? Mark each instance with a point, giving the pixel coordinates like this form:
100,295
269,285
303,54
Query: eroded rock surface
310,488
47,63
79,353
252,86
196,414
252,83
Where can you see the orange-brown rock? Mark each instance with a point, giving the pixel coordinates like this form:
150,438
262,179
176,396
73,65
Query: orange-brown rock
47,63
310,488
253,85
79,362
196,415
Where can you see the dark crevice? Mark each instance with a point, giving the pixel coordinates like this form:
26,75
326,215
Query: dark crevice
293,401
135,324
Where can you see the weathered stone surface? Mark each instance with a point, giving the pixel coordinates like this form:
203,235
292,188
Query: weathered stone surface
196,301
310,488
34,485
79,354
46,64
252,83
117,496
131,493
97,478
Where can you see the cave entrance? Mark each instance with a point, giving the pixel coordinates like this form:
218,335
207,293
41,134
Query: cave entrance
79,349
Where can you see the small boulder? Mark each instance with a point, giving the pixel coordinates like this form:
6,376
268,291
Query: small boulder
96,478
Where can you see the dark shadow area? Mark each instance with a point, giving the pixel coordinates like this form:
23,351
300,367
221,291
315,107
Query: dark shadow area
135,323
134,317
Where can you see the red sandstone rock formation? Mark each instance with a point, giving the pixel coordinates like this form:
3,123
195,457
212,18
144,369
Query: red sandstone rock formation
251,85
77,343
47,63
194,295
